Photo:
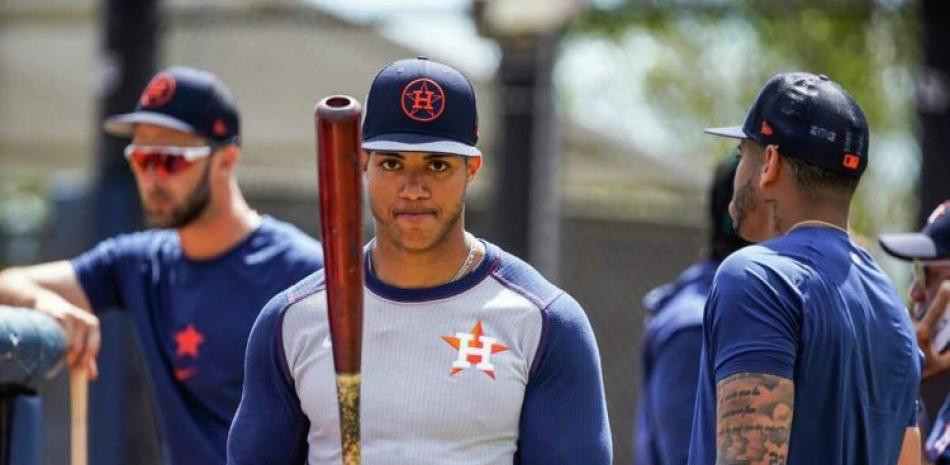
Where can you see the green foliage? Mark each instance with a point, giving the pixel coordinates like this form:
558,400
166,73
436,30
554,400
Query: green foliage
700,64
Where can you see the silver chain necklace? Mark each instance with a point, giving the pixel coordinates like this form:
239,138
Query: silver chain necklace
469,259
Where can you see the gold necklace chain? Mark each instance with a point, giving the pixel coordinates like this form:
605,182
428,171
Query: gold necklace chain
816,223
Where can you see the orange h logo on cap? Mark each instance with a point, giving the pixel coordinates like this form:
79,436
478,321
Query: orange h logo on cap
766,130
851,161
423,100
159,91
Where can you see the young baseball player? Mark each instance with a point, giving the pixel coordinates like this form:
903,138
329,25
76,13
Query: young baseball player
469,355
194,286
929,250
808,355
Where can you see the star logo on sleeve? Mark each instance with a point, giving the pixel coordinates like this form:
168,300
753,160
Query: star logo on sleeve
474,349
188,341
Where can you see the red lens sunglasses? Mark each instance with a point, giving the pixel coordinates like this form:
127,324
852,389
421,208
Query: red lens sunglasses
166,159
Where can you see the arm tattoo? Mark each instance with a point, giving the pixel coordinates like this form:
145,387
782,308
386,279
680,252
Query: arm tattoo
754,419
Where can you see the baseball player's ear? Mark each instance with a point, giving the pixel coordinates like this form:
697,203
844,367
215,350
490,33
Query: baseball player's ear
473,165
771,165
229,157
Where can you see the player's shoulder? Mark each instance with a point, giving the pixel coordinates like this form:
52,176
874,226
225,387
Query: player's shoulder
760,270
776,255
312,285
693,281
284,231
520,277
141,243
737,264
558,308
294,243
679,304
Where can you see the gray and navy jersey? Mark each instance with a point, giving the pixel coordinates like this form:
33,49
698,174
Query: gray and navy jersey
499,367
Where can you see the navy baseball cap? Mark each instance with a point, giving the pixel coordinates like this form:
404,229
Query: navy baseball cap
184,99
931,243
809,117
419,105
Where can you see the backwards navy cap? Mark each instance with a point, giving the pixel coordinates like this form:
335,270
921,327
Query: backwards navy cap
419,105
932,243
810,118
184,99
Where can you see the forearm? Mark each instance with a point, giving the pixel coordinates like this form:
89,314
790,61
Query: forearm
754,419
54,290
18,290
911,448
49,287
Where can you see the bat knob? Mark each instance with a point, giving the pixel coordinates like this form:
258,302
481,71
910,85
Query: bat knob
338,107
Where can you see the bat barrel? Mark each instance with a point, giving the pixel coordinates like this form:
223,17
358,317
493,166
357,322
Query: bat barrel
339,153
338,139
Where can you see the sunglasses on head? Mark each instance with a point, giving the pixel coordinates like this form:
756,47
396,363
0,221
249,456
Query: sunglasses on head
168,159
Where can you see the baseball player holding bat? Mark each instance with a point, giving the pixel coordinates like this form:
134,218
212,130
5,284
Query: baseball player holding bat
809,356
469,356
929,251
194,285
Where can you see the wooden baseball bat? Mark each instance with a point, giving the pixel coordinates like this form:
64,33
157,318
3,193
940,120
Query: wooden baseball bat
337,121
78,412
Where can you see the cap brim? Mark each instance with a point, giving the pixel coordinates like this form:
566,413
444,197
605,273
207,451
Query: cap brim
412,142
121,125
734,132
909,246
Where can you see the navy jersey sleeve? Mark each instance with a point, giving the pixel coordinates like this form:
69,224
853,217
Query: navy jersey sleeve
752,319
98,271
269,427
564,415
673,394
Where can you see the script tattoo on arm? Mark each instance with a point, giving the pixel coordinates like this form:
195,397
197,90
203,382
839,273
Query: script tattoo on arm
753,419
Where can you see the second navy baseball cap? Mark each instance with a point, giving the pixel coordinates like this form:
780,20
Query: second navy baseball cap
932,243
809,117
184,99
419,105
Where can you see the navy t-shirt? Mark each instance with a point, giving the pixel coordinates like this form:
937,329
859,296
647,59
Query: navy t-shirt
813,307
193,318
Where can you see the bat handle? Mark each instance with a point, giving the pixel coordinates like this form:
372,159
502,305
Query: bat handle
348,393
78,409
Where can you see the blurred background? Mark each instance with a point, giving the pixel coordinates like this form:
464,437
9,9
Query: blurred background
591,114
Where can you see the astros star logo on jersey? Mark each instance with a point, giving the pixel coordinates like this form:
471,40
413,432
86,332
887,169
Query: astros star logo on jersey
187,341
159,91
423,100
474,349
